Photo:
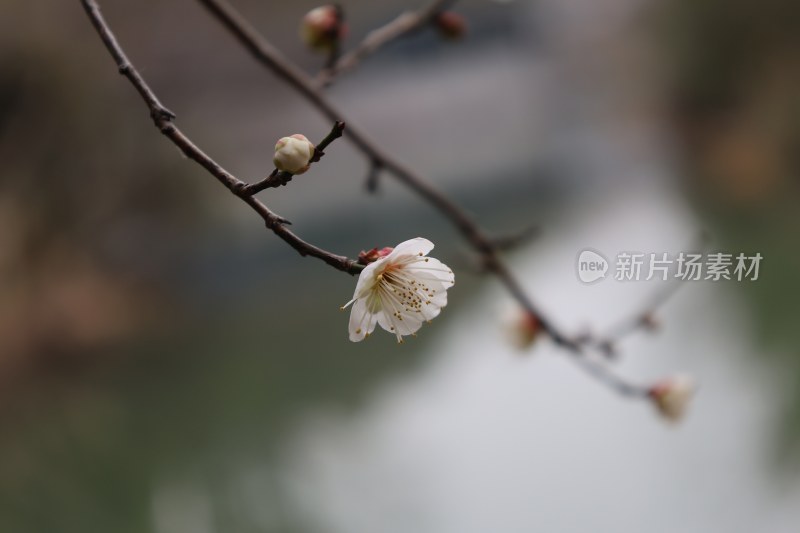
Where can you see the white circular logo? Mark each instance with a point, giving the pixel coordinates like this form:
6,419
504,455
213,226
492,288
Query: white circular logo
591,266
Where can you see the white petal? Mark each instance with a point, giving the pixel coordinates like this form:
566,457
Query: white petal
408,325
429,312
362,322
367,278
439,299
411,247
430,267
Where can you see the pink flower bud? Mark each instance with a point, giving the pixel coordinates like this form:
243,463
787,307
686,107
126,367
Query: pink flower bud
373,255
293,154
671,396
451,25
323,27
523,329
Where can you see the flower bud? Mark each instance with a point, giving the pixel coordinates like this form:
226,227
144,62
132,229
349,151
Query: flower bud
671,396
450,25
373,255
523,329
323,27
293,154
650,323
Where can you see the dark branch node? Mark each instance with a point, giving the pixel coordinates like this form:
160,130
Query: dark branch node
166,128
162,113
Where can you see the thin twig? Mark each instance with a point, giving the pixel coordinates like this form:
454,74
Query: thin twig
404,24
163,119
512,241
271,58
599,370
643,320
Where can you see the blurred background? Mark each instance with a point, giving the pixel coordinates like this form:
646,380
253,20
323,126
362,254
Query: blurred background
168,366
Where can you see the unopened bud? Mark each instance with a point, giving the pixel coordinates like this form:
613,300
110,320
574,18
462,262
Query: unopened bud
523,329
671,396
450,25
293,154
323,27
650,322
373,255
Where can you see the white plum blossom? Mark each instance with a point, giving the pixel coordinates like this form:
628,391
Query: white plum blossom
671,396
399,291
293,154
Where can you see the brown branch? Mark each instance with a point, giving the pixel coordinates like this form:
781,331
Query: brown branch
599,370
265,53
163,120
512,241
271,58
645,319
404,24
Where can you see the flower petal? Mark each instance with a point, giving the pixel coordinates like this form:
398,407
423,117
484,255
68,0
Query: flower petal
430,267
416,246
406,324
362,322
367,278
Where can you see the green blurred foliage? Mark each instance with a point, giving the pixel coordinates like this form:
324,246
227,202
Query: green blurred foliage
736,108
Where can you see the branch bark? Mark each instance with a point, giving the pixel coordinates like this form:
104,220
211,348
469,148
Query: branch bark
164,119
270,57
404,24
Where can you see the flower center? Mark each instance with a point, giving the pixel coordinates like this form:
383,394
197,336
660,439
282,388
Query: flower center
403,293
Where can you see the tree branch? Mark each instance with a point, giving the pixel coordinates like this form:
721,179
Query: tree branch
645,319
404,24
511,241
271,58
163,120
